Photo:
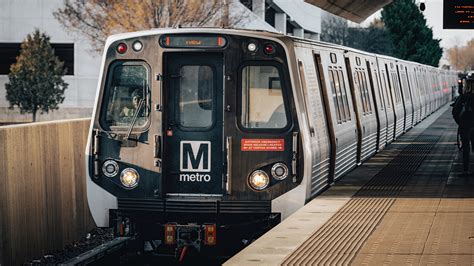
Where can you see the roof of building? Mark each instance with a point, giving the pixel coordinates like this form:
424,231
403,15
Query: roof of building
307,16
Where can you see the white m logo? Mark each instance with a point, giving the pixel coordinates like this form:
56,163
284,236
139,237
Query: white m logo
195,156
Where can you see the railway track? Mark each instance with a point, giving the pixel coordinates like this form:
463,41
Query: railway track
106,252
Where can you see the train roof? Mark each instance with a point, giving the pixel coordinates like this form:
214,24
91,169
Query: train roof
250,33
243,32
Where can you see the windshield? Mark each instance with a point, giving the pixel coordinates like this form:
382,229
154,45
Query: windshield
127,87
262,102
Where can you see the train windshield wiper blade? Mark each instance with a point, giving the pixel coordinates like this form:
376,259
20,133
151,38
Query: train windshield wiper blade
134,120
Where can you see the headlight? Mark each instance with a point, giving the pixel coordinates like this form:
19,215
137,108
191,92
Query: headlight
279,171
129,178
110,168
259,180
137,46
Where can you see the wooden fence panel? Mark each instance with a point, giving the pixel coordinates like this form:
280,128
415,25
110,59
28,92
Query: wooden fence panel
43,203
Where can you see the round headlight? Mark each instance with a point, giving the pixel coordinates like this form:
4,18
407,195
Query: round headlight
137,46
252,47
129,178
259,180
110,168
279,171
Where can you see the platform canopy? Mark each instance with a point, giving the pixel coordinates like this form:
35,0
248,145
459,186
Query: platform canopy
354,10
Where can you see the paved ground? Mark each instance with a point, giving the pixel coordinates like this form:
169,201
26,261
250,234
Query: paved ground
408,205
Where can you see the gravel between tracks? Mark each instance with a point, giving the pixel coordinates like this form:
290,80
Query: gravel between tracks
94,238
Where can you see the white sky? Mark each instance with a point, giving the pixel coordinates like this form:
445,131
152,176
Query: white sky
434,19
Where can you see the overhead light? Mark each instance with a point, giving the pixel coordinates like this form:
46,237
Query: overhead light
422,5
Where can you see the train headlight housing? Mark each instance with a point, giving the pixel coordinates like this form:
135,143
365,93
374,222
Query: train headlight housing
110,168
252,47
129,178
137,46
259,180
279,171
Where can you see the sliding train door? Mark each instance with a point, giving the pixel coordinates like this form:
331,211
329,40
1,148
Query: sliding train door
193,128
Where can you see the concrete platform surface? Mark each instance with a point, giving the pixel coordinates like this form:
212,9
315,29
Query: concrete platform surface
407,205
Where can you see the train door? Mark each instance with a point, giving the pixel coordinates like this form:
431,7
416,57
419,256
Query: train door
379,99
398,104
407,100
339,101
193,138
366,120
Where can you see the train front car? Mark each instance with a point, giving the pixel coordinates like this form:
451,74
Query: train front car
194,136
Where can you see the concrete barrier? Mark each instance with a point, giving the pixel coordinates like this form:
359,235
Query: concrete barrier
43,204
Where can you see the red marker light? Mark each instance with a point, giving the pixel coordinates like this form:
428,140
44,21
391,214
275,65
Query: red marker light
270,49
121,48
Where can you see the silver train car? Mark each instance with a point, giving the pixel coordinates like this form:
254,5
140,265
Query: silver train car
203,137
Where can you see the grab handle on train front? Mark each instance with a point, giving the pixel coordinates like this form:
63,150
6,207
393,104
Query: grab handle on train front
228,175
157,151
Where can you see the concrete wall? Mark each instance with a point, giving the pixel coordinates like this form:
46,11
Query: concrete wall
19,18
43,204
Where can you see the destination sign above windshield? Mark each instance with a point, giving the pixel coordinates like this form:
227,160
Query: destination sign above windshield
192,41
458,14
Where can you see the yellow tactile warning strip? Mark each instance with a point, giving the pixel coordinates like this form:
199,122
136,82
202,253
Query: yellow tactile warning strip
429,220
433,224
339,240
343,235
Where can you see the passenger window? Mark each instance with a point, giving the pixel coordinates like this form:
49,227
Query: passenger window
381,93
385,89
334,96
262,101
196,87
344,96
366,92
126,96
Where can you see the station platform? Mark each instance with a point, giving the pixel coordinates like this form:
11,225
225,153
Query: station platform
407,205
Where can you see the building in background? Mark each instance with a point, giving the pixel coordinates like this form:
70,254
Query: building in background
18,18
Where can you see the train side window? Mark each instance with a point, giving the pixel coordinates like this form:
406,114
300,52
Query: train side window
366,91
360,87
381,92
126,94
396,87
262,103
385,89
334,96
344,96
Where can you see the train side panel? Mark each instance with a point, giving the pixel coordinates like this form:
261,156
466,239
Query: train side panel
380,101
311,79
362,98
406,95
340,113
415,93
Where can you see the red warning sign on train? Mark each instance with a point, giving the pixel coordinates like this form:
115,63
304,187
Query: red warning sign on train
263,145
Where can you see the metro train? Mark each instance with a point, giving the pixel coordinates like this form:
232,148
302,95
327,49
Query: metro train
203,138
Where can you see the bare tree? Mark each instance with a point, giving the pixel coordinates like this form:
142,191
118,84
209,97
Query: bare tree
334,29
462,57
97,19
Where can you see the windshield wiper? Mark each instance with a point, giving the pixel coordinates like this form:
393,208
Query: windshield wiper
134,120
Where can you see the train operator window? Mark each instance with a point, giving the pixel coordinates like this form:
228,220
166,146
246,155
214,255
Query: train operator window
262,104
126,96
